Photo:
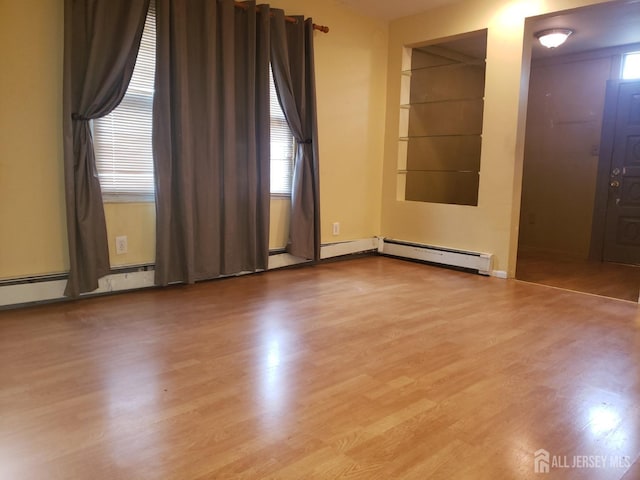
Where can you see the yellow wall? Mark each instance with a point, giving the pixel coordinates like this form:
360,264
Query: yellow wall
280,212
492,226
357,67
351,72
138,222
32,220
564,120
351,87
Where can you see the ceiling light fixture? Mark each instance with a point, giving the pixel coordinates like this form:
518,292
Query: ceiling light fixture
553,37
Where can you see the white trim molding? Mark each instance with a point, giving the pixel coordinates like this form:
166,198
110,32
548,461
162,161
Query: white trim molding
46,289
350,247
477,261
36,290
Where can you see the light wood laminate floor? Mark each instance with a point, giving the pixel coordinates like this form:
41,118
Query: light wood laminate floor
613,280
372,368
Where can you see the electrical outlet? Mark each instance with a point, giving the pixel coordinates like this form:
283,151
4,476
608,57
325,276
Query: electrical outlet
336,228
121,245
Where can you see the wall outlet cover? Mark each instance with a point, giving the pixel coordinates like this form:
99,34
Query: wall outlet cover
121,245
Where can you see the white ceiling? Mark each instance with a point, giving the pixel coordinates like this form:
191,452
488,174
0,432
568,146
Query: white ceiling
390,9
594,27
600,26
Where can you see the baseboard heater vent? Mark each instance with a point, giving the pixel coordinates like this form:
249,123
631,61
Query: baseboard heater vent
472,261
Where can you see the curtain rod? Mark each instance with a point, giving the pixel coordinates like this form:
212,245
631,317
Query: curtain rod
321,28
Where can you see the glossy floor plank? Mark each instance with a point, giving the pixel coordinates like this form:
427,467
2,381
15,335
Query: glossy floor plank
372,368
613,280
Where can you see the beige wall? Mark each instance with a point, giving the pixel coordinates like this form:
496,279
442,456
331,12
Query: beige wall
564,120
351,87
357,67
351,73
32,224
492,226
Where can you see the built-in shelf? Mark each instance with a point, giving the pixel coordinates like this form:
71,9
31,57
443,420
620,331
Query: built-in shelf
406,139
407,106
440,131
442,171
477,63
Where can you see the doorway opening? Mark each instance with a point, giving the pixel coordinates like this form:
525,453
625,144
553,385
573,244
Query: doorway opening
571,208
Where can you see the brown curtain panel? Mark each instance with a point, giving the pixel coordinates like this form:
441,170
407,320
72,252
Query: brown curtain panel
101,41
211,139
292,63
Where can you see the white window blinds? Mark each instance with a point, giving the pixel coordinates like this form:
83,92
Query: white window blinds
122,139
282,146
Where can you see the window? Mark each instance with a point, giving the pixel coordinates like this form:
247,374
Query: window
282,146
631,65
122,139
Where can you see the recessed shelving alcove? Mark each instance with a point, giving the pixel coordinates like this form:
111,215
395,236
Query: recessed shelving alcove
442,99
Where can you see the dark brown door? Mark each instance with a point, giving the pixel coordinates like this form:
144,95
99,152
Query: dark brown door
622,225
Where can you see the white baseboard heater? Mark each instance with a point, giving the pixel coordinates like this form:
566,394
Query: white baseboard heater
48,288
474,261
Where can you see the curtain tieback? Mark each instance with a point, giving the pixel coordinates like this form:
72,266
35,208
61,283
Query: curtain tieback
306,141
77,116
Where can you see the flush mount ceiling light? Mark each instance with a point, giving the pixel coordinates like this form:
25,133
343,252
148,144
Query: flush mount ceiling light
553,37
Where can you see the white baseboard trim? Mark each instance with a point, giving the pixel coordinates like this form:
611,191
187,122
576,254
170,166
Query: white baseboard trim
349,247
45,291
119,282
477,261
41,290
22,293
499,274
284,260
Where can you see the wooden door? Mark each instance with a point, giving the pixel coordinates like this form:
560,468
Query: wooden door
622,224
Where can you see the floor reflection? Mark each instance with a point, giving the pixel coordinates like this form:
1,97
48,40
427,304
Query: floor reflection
272,378
603,419
607,279
132,401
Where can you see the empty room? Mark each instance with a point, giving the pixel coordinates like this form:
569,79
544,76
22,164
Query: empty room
319,239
